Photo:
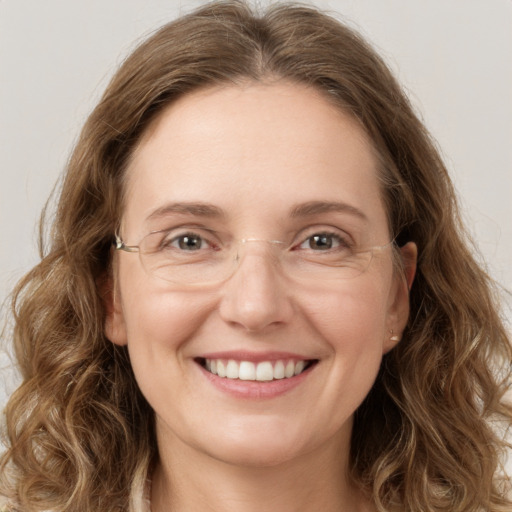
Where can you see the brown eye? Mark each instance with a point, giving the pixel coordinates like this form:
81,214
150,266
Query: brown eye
189,242
321,242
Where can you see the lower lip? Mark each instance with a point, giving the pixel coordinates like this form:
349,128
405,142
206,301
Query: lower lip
254,389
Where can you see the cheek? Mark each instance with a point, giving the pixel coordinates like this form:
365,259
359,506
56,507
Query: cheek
163,318
152,314
350,316
158,323
352,325
159,326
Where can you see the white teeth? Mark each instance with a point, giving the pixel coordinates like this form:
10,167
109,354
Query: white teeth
279,370
246,370
232,370
299,367
289,371
221,369
264,371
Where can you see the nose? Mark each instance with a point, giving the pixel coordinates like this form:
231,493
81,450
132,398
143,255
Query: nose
256,296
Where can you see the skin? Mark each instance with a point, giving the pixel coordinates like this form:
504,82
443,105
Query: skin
256,151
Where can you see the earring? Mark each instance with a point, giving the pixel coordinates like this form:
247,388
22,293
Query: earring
393,338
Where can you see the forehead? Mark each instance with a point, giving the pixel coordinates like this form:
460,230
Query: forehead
253,150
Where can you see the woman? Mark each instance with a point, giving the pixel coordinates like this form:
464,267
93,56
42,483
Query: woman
258,292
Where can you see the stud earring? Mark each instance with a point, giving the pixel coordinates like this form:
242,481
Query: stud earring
395,337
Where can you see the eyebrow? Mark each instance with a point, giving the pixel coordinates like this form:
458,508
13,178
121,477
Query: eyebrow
307,209
317,207
196,209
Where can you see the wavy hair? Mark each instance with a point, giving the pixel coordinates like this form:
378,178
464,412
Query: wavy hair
80,434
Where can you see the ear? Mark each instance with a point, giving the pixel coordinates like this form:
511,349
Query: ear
114,328
398,312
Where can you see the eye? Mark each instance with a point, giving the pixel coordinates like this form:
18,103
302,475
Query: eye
189,242
323,242
180,241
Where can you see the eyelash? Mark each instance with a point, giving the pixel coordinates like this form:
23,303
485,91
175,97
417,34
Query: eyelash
170,242
342,242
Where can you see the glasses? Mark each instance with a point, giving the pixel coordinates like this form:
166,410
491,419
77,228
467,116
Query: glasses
190,257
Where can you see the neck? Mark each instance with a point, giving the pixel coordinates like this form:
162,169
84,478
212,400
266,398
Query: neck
190,481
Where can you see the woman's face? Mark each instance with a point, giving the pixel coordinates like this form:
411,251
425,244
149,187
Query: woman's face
262,163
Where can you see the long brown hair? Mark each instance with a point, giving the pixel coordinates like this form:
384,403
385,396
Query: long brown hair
80,434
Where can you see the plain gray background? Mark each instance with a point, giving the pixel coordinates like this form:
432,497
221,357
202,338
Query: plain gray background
453,57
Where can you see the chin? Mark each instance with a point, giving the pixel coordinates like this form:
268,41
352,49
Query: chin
261,445
256,456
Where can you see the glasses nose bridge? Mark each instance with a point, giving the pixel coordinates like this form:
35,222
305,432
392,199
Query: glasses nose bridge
274,246
256,258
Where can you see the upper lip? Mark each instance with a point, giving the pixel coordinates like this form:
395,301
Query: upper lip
255,357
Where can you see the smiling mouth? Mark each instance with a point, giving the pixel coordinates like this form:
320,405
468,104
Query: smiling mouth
264,371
